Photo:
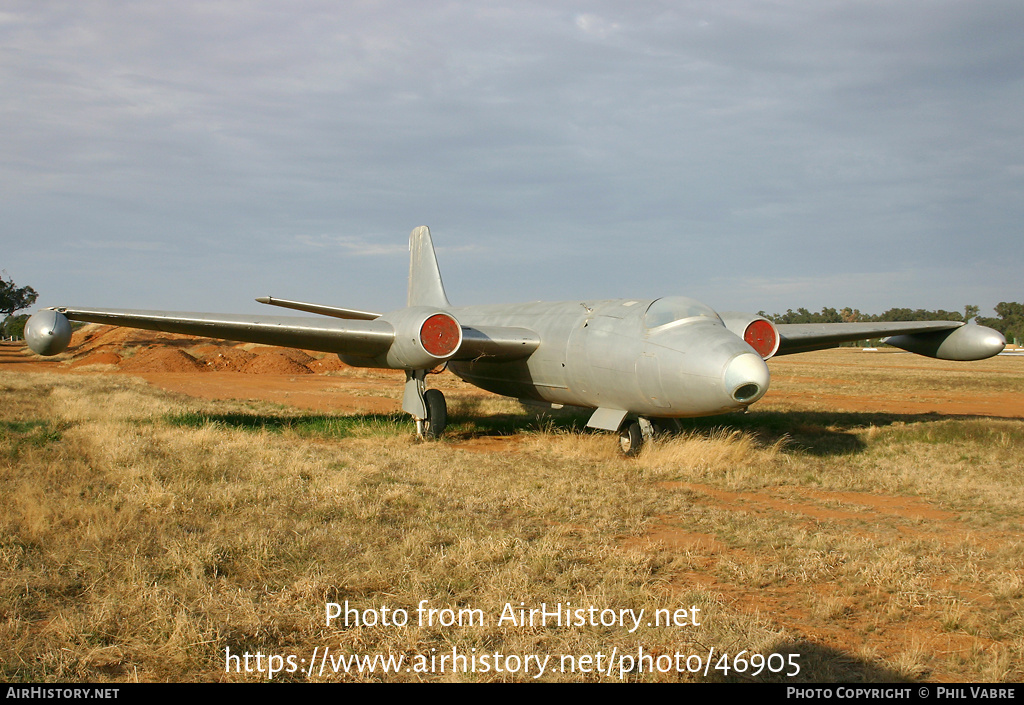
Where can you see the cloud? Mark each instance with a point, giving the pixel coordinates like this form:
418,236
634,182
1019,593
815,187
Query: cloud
596,26
660,142
122,245
350,245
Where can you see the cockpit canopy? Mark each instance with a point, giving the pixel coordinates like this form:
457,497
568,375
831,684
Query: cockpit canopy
673,309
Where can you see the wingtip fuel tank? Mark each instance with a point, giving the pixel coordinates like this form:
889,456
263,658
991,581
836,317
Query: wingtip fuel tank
48,332
966,343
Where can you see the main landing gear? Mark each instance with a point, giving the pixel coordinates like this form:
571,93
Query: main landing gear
634,433
437,414
427,406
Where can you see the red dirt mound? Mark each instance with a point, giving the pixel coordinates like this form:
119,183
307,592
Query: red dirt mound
329,363
300,356
228,359
92,336
97,358
95,344
163,360
275,363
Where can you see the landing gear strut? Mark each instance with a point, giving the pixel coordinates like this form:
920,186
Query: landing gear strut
427,406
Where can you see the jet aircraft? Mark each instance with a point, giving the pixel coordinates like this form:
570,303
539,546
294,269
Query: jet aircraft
634,362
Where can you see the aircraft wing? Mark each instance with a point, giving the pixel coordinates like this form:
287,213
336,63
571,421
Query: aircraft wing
343,336
945,340
361,338
801,337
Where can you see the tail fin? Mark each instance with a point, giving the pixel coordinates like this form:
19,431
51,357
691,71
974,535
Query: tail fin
425,286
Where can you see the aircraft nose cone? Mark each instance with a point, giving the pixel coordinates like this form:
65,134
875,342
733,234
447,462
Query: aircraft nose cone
746,378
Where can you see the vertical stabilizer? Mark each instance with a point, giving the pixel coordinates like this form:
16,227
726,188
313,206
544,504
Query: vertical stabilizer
425,287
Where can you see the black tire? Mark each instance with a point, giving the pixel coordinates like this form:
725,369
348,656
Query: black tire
631,439
437,413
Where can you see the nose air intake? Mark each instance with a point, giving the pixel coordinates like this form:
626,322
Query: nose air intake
746,378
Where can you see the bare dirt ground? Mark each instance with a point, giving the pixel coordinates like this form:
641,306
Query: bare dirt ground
930,384
840,380
218,370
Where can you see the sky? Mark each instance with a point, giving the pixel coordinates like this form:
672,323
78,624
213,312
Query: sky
192,155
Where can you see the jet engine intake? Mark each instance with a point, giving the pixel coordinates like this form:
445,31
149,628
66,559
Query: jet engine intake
424,338
746,378
757,332
48,332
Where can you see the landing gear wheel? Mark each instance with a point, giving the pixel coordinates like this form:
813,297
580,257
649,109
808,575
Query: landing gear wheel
437,413
631,439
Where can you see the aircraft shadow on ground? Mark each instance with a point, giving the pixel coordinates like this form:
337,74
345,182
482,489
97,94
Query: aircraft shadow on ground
150,345
816,433
462,427
812,432
328,425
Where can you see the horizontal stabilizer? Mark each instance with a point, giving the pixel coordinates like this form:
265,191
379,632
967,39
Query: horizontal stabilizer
321,309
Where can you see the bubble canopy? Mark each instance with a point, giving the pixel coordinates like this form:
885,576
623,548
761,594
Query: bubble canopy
674,309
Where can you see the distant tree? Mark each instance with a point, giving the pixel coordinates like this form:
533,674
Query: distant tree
1010,321
14,326
1009,310
801,315
971,312
896,314
13,297
941,315
850,315
829,315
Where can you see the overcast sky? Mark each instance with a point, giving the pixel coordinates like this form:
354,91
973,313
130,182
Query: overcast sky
754,155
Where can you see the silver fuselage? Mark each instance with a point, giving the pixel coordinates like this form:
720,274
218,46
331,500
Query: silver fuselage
602,354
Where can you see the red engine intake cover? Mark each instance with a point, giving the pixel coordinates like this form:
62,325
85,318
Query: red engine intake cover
762,336
440,335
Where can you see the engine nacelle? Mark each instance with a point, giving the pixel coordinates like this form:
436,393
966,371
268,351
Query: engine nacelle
424,338
48,332
757,331
968,342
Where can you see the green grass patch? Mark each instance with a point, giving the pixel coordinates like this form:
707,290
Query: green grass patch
16,436
307,425
461,425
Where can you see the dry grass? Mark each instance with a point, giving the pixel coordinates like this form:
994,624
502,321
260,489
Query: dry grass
145,533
